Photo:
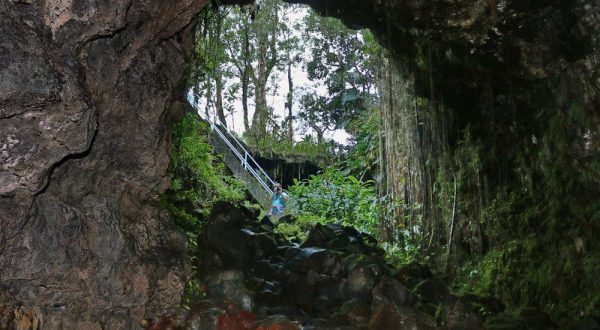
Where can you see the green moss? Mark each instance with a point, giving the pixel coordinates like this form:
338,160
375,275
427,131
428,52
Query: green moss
198,180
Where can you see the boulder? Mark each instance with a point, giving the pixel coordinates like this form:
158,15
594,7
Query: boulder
235,320
227,288
391,290
362,274
458,313
433,290
388,315
342,238
319,260
354,311
203,319
224,234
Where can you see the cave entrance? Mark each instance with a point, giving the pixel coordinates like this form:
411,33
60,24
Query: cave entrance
442,109
291,83
308,93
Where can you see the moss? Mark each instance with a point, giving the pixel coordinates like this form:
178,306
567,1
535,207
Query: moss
198,180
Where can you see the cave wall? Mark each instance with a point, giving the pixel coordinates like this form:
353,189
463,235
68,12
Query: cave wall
88,92
89,89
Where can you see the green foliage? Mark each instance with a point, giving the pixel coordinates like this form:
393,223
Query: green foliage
346,61
406,251
308,148
363,158
336,197
198,177
198,180
542,226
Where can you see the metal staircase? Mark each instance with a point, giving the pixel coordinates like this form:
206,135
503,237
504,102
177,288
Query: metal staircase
241,163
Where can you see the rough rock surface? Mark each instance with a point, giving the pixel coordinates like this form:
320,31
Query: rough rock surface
336,279
87,92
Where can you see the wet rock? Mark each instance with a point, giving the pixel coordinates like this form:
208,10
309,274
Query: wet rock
460,314
433,291
203,319
227,288
266,224
266,292
319,260
319,236
276,323
314,293
362,273
235,320
163,323
354,311
341,238
391,290
225,226
267,269
388,315
263,244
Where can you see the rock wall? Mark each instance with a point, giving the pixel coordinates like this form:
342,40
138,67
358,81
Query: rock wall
88,91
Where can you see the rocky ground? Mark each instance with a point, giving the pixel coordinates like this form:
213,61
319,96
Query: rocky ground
336,279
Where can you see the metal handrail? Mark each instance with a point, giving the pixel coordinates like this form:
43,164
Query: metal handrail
243,158
248,155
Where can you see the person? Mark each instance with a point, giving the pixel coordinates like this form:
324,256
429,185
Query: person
278,201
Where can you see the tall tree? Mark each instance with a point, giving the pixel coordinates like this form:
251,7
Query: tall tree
314,115
219,72
346,62
264,29
291,49
210,69
237,39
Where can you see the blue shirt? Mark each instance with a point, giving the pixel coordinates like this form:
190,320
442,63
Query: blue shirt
278,199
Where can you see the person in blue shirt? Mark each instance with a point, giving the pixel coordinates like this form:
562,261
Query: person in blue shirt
278,201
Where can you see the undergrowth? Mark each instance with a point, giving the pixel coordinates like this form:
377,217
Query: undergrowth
198,180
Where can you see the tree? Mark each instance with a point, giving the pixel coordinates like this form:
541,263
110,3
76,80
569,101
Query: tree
210,70
291,49
315,115
345,61
237,38
264,31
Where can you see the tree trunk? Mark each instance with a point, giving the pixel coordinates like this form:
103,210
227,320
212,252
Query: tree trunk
245,87
208,99
266,57
261,113
246,74
219,100
289,104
